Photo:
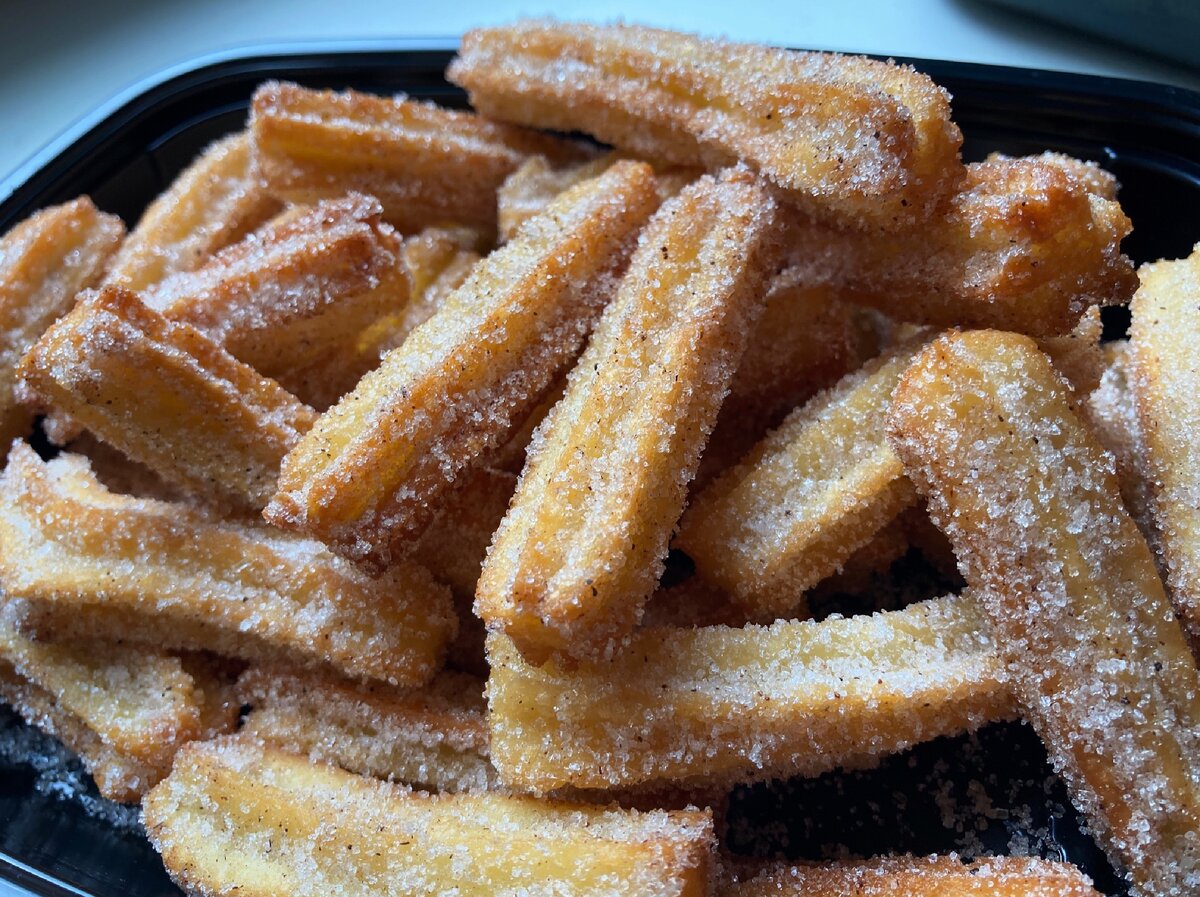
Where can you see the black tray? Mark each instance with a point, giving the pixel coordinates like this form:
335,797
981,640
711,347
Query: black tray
962,793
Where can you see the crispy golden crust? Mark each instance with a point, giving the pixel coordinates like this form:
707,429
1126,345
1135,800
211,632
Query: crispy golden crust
426,164
367,478
1098,181
122,475
582,545
1022,246
93,564
279,298
987,430
1164,336
1078,355
45,261
845,137
719,705
167,396
436,738
908,876
807,497
216,201
234,816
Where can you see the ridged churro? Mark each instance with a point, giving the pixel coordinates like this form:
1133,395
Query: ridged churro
849,138
583,543
45,261
428,165
367,477
718,705
167,396
92,564
236,816
988,432
805,498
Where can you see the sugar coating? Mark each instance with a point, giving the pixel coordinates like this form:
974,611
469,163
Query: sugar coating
847,138
215,201
428,165
718,705
235,814
805,498
1023,245
582,545
90,563
367,478
987,430
1079,355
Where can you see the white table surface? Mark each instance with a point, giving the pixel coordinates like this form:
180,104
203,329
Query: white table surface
63,59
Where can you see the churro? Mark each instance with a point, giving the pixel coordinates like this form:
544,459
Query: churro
718,705
45,261
1079,355
583,543
806,497
1030,501
847,138
237,816
426,164
167,396
92,564
367,478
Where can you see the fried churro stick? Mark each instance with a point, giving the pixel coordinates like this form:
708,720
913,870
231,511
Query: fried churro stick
216,201
93,564
719,705
167,396
278,298
1098,181
428,165
908,876
366,479
1027,496
236,816
806,497
45,261
435,738
845,137
1023,246
1164,335
1078,355
583,543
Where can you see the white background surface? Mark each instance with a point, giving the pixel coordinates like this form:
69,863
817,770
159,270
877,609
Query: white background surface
60,60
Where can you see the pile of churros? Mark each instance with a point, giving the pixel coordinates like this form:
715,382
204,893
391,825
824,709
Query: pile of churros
361,456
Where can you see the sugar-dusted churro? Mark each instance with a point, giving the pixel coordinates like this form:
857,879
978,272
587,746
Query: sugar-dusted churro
806,497
718,705
1078,355
428,165
216,201
167,396
367,477
278,298
90,563
583,543
1030,501
846,137
237,816
1164,335
1096,179
1023,245
45,261
908,876
435,738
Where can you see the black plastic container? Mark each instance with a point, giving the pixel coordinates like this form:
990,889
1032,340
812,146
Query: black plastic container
952,794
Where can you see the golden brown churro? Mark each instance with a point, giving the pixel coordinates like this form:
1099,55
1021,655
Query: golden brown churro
213,203
367,477
93,564
237,816
845,137
426,164
44,262
988,432
582,545
718,705
167,396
